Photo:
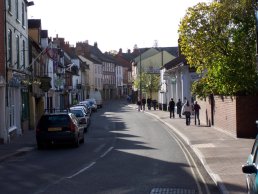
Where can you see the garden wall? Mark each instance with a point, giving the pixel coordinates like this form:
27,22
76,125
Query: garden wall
236,115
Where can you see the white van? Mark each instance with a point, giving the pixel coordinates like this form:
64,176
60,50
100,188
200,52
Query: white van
97,96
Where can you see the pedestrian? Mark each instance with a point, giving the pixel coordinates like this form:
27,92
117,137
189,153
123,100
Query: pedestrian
196,112
128,98
143,103
154,104
172,108
179,107
187,112
139,104
149,103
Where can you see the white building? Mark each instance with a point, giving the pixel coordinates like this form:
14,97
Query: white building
95,73
177,79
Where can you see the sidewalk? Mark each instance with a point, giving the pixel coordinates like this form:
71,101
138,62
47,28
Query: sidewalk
21,144
221,153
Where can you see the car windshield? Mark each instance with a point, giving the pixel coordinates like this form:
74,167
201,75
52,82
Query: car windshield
55,120
77,113
85,103
91,103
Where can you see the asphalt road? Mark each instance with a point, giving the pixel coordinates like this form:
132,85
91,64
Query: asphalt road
125,152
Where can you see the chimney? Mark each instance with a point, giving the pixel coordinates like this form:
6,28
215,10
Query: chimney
128,51
120,51
96,44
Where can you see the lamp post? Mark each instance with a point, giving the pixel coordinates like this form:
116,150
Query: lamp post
140,76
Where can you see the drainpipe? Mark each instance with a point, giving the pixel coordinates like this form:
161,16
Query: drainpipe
5,134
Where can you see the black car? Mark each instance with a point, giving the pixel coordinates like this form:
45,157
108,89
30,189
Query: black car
59,128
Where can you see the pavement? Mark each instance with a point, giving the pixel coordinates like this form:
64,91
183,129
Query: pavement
221,153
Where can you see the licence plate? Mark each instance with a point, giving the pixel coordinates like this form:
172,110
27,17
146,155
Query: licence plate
55,129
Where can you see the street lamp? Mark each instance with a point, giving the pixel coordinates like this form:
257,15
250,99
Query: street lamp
140,75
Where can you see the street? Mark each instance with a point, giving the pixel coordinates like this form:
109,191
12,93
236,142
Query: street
125,151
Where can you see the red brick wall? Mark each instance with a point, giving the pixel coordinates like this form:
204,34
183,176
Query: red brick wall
225,113
235,115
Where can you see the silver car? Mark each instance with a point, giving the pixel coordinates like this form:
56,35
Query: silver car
81,114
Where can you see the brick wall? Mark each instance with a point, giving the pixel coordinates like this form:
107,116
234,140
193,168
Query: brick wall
225,113
235,115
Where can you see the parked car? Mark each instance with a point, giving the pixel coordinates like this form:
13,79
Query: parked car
87,105
81,113
59,128
93,104
250,169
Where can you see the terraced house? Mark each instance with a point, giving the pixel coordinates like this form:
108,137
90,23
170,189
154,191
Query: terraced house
14,61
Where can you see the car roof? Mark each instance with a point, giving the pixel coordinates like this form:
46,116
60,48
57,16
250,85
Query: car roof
57,113
91,99
77,108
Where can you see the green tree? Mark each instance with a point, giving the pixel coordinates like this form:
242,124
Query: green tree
149,83
218,39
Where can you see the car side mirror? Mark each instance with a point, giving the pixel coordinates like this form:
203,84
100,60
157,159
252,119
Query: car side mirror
249,169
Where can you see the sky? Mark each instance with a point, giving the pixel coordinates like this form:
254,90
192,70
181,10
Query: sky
113,24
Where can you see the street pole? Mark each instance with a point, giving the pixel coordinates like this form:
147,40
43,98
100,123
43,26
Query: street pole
140,76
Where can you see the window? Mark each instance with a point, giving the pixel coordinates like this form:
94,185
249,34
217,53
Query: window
9,48
17,9
9,5
18,51
23,14
23,53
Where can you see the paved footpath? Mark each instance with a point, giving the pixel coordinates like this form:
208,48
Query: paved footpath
221,153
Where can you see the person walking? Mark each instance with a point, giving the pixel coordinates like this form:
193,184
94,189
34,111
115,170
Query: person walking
143,103
149,103
196,112
139,104
179,107
172,108
187,112
154,104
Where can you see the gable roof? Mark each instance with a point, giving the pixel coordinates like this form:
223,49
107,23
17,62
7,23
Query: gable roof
172,50
121,61
175,62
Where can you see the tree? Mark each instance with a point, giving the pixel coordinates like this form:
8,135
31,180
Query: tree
218,39
149,83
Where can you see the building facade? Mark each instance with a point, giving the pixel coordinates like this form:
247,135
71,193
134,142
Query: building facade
15,92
